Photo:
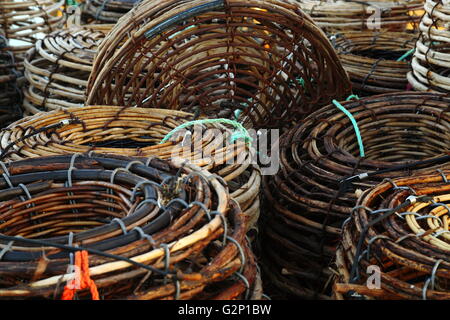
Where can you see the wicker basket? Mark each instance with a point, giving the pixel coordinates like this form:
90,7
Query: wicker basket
262,61
408,245
337,15
376,62
106,11
322,173
431,57
26,21
58,67
152,230
136,132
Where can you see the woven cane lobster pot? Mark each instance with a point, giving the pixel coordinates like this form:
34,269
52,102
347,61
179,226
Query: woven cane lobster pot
431,57
10,96
58,67
107,11
400,229
322,173
136,132
152,230
337,15
262,61
376,62
24,22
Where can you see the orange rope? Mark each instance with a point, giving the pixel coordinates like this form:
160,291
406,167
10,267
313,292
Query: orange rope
82,276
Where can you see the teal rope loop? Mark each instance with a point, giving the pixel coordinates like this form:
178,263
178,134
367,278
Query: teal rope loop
408,53
355,126
352,96
240,133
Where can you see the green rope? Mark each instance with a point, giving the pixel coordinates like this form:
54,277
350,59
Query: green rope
355,126
408,53
352,96
72,3
241,132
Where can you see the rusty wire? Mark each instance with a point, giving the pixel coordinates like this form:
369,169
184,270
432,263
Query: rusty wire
430,61
264,59
154,230
400,227
322,174
136,132
371,59
387,15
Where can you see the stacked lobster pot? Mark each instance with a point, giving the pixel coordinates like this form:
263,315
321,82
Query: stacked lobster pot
431,57
396,245
137,229
57,69
23,22
325,166
136,132
338,16
219,59
376,61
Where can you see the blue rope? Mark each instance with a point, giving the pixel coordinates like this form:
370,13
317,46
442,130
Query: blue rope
355,126
408,53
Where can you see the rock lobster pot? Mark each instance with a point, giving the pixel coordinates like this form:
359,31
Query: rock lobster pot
400,228
58,67
264,62
10,95
336,16
108,11
431,57
322,174
371,59
24,22
136,132
154,230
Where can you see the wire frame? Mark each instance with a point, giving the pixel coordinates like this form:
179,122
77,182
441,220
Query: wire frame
431,57
264,62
